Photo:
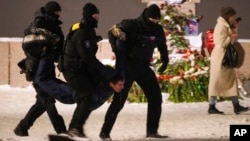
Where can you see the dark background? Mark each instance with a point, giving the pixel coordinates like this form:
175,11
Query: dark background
15,15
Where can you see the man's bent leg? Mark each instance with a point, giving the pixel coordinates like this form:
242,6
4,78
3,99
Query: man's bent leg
55,118
35,111
80,116
154,97
115,107
49,104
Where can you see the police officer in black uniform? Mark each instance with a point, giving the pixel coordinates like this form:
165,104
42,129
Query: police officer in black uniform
133,42
81,69
46,23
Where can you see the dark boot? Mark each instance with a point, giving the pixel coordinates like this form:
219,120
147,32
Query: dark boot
73,132
105,137
155,136
107,126
239,109
213,110
21,131
78,120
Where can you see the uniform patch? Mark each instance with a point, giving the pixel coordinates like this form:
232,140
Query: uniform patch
87,44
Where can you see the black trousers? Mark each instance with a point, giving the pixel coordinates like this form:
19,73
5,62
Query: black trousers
43,103
147,80
82,86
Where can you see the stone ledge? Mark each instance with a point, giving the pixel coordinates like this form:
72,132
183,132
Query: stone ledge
160,1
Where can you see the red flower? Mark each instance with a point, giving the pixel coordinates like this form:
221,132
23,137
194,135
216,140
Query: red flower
193,77
160,77
167,77
162,5
166,33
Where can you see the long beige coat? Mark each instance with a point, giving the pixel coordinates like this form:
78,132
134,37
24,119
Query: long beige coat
222,81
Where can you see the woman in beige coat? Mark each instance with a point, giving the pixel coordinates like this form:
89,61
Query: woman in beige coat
223,81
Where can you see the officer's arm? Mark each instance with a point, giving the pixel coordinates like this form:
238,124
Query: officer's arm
117,40
163,49
117,32
112,40
87,55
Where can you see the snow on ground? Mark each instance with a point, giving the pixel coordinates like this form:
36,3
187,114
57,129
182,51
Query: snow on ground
184,121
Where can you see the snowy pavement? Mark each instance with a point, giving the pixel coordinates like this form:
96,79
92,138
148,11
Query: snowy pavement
181,122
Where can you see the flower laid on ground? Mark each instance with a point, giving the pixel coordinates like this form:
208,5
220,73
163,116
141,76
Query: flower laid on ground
186,78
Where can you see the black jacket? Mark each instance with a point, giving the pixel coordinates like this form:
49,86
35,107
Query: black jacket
80,52
50,23
33,47
141,39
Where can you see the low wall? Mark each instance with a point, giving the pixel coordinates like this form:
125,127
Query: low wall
11,52
4,63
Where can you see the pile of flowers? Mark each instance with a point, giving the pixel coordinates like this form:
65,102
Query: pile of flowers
186,78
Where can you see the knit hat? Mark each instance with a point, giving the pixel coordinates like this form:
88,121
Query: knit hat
153,11
51,7
88,10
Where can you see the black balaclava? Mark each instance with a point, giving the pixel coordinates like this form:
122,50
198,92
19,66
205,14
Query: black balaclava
153,11
88,10
51,7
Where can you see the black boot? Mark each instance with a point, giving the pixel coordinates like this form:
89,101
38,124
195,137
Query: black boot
78,120
213,110
20,131
239,109
105,137
155,136
73,132
107,126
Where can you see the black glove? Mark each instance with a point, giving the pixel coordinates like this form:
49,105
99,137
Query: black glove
162,67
